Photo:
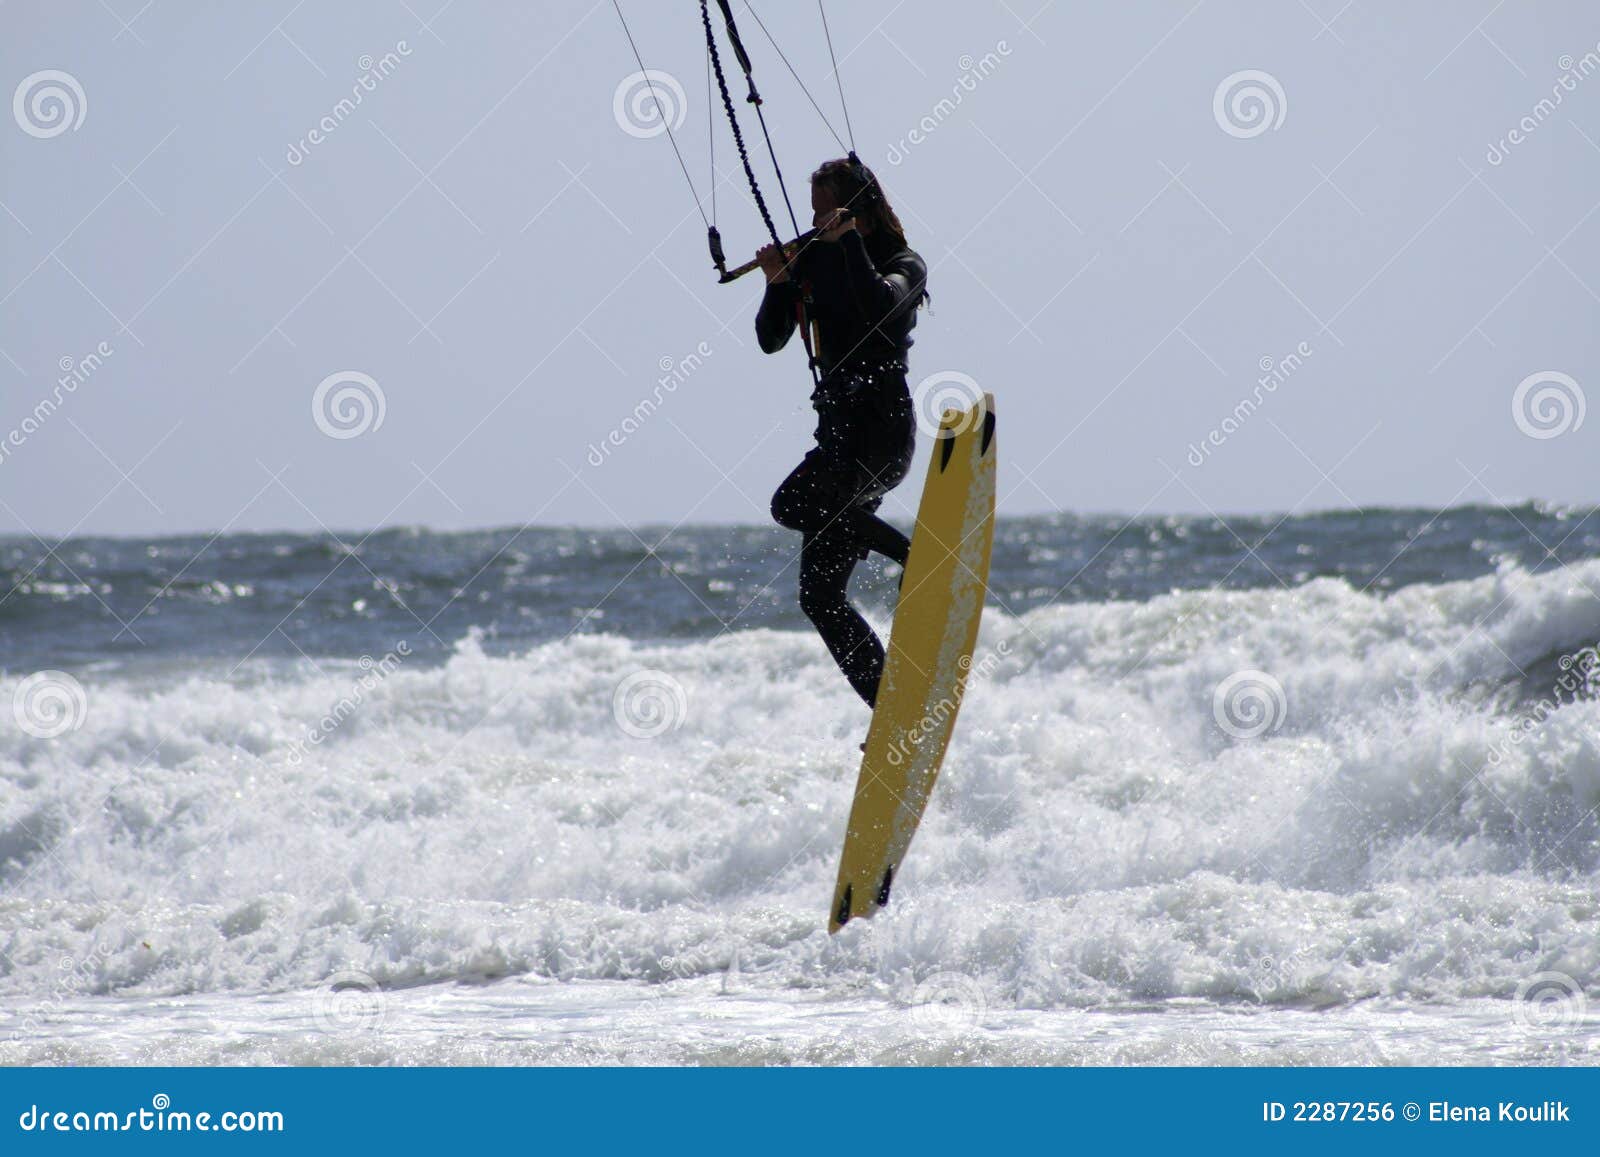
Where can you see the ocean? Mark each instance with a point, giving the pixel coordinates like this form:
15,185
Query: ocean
1322,789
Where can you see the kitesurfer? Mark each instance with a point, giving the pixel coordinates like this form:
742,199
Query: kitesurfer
858,284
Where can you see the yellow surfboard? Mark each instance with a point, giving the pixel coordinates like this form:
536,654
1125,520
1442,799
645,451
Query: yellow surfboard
928,659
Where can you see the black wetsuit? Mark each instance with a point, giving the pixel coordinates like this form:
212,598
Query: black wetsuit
864,307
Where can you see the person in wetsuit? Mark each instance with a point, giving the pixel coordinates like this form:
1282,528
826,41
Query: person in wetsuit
859,284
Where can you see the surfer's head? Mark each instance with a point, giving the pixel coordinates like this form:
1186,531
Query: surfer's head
846,183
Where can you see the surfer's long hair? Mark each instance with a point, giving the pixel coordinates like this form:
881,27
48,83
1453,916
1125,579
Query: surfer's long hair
856,187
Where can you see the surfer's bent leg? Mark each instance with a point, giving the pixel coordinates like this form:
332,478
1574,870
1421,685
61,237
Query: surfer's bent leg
832,498
876,534
826,561
818,498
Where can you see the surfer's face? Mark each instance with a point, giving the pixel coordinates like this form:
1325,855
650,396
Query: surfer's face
824,200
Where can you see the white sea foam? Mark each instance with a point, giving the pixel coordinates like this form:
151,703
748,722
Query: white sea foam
1097,838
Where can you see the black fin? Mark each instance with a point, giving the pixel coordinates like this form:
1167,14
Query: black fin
947,447
843,914
883,888
988,432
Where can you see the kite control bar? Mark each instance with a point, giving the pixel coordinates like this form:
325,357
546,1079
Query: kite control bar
790,248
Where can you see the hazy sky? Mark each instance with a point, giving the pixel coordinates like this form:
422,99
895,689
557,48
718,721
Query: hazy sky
1115,249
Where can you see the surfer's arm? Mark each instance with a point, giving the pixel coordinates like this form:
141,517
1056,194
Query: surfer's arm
881,293
775,320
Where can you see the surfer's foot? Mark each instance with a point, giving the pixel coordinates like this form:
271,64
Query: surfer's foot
863,747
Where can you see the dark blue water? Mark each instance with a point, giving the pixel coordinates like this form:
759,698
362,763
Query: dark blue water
93,600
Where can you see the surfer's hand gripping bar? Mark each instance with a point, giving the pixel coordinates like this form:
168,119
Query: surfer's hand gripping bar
790,248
